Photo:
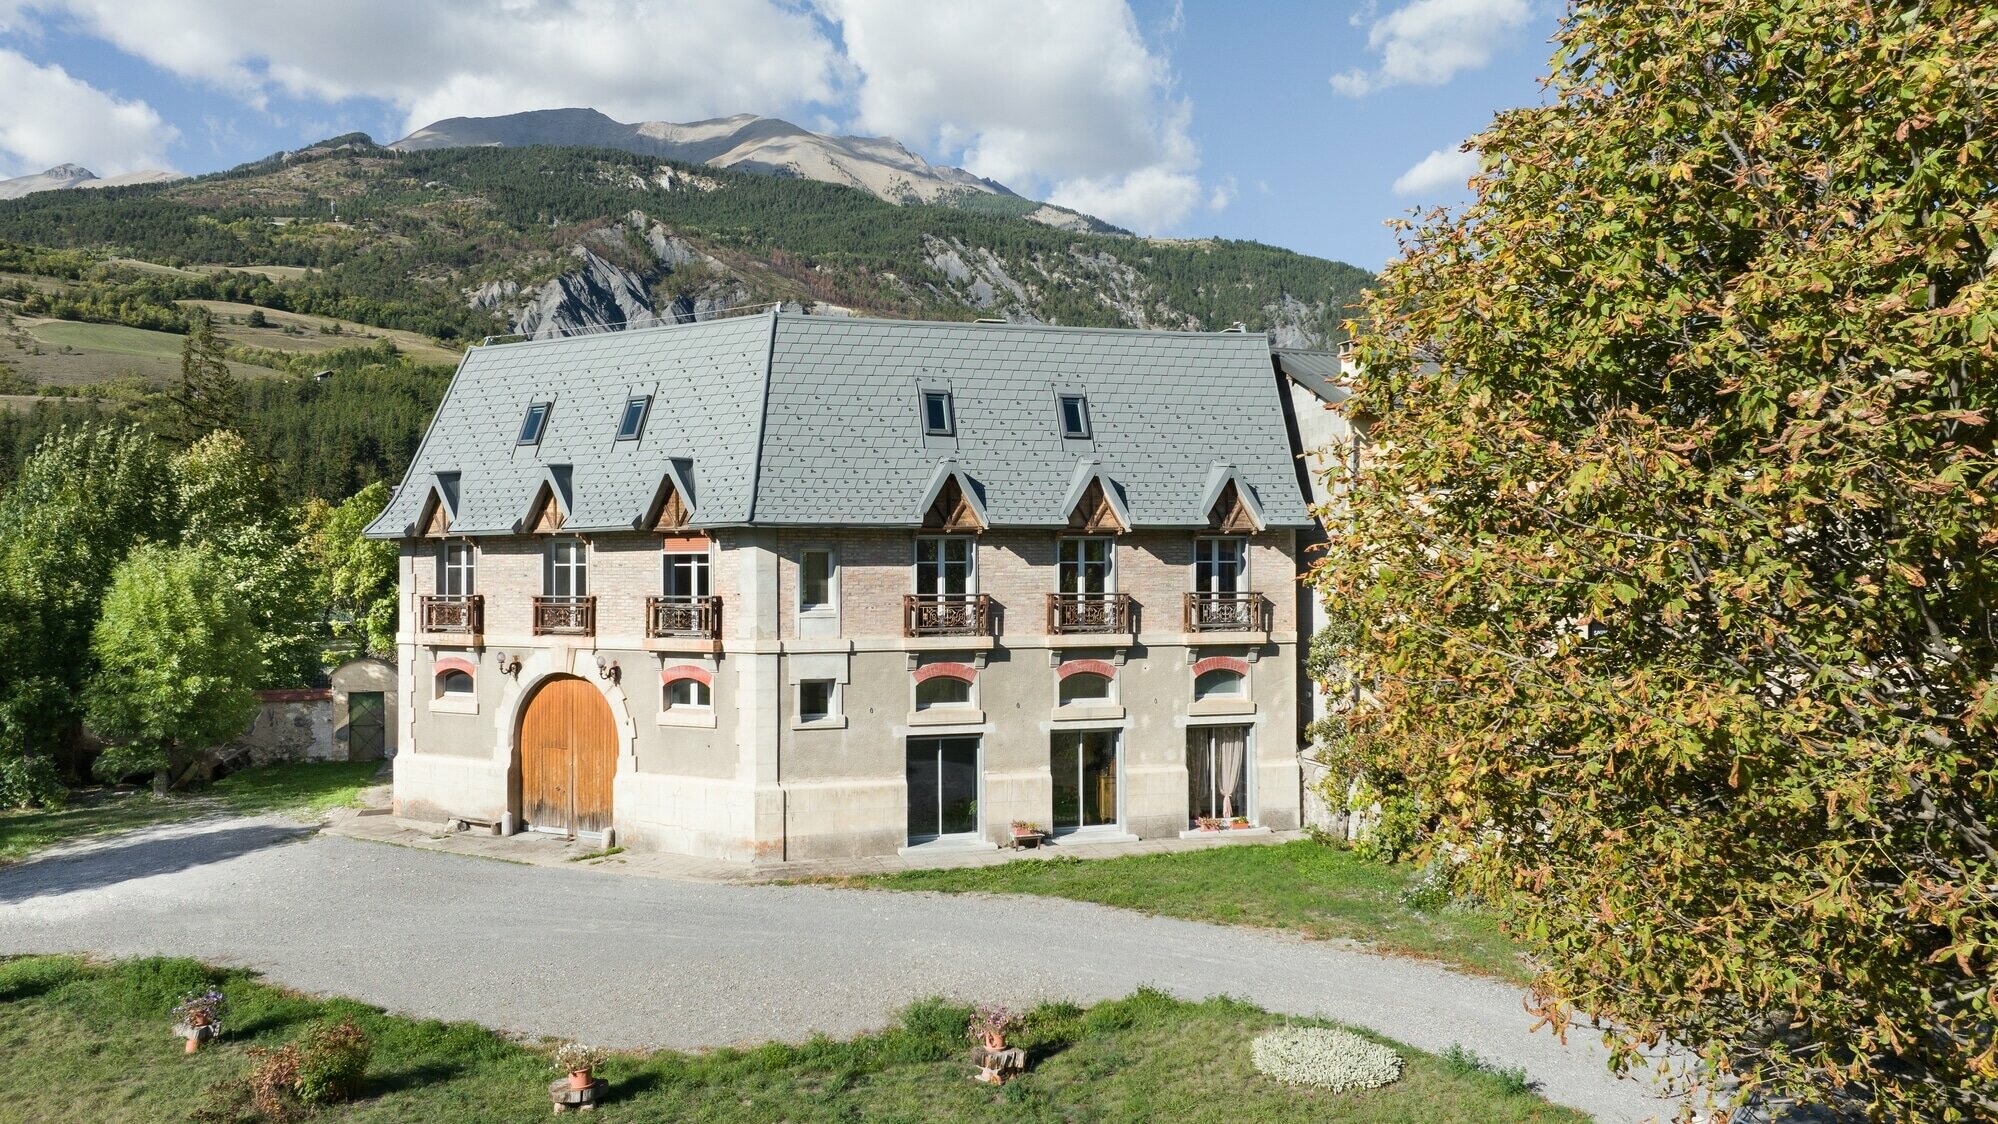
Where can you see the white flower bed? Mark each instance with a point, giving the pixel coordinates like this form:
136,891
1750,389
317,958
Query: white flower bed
1329,1059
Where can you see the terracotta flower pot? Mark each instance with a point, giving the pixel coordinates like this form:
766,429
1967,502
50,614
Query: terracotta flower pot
579,1079
193,1044
994,1041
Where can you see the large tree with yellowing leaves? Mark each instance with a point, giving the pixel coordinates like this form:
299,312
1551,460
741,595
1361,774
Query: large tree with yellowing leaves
1673,567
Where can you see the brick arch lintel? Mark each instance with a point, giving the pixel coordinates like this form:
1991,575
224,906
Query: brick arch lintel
1221,663
454,663
1104,668
931,671
699,674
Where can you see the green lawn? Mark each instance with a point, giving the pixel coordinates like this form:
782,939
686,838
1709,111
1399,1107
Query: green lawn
74,1033
307,788
114,338
1303,887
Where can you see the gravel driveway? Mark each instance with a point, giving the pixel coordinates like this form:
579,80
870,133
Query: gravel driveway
645,962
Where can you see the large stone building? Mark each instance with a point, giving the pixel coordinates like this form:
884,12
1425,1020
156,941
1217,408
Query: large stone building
792,587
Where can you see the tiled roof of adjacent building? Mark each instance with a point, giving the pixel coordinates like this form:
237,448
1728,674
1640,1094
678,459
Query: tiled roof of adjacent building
787,419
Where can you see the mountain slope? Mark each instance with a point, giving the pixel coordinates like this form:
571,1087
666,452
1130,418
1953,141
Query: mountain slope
880,166
64,176
462,242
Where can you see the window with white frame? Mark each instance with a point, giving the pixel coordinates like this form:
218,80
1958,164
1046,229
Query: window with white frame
818,699
1219,566
943,691
567,571
939,419
1219,683
686,575
455,564
1074,417
944,566
1087,567
815,580
1084,688
688,694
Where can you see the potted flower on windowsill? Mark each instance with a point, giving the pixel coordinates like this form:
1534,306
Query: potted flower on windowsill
580,1062
1208,823
1027,834
199,1016
1240,823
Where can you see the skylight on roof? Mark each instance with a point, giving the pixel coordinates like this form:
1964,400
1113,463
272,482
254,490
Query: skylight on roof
632,421
1075,417
937,414
532,426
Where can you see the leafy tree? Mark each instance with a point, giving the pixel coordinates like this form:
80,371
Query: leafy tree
1676,574
358,575
205,399
232,507
177,656
83,499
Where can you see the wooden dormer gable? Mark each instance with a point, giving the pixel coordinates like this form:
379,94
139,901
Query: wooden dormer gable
1230,515
952,502
1230,506
1095,504
672,507
440,506
548,512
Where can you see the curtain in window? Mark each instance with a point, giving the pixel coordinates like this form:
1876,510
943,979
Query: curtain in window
1231,745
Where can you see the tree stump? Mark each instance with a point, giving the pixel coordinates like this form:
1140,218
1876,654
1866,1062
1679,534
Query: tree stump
995,1066
582,1100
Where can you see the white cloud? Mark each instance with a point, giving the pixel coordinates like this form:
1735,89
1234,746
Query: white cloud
1444,170
1224,194
632,59
1429,42
53,118
1064,100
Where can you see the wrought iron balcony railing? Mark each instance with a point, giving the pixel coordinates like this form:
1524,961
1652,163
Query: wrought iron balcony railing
946,614
464,614
1082,613
1226,612
565,616
690,617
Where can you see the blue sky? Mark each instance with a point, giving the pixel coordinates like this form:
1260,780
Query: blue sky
1305,125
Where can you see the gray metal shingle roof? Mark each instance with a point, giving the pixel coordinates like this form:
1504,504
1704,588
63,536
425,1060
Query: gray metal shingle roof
838,438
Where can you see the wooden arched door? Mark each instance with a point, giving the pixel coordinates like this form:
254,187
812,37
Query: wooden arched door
568,753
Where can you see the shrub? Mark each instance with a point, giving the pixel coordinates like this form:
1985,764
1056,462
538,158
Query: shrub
30,782
284,1085
332,1061
1329,1059
1394,832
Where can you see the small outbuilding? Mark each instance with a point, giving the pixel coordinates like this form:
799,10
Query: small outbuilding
364,710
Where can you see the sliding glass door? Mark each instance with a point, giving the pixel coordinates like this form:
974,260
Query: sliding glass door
943,788
1217,772
1084,764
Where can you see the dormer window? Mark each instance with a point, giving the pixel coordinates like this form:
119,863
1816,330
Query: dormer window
1074,417
938,418
632,421
534,424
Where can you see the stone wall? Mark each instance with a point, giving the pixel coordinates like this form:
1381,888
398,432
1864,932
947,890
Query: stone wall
289,726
